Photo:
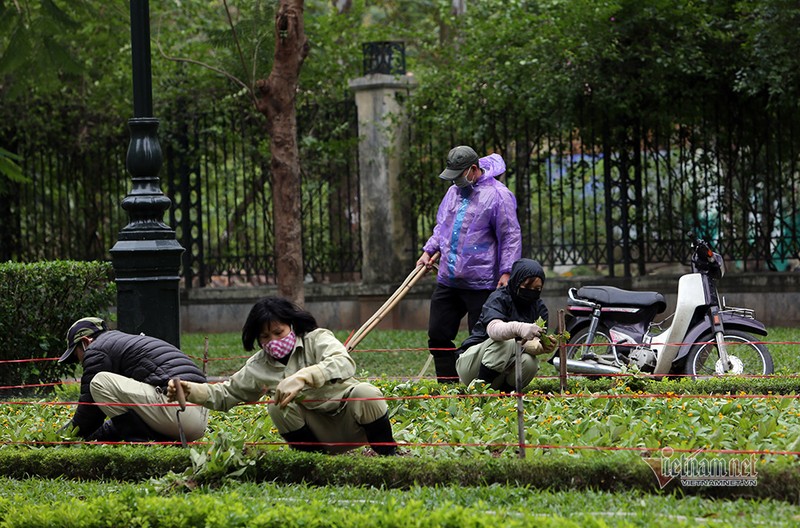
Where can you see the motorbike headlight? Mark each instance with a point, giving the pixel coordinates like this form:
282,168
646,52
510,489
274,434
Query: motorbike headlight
720,263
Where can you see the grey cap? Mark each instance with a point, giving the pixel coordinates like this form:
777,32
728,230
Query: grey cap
458,160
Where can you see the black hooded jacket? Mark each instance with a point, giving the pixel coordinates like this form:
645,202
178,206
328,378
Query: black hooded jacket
142,358
504,304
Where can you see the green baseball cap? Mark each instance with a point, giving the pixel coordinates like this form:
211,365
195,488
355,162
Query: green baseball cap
86,327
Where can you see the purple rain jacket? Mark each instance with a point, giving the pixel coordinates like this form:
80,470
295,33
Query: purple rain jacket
477,231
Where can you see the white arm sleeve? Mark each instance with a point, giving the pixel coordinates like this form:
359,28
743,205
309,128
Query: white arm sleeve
502,331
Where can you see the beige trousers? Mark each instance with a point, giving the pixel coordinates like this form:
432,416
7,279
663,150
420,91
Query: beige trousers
343,426
107,387
499,356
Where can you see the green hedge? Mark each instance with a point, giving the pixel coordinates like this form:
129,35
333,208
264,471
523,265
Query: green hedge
127,463
38,303
606,472
190,511
718,385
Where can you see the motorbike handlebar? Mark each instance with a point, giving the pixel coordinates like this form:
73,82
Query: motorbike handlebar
702,248
705,260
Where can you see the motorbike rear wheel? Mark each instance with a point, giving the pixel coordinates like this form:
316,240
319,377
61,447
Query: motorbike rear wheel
747,355
600,345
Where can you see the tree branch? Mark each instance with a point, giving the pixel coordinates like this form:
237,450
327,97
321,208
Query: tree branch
256,49
209,67
236,39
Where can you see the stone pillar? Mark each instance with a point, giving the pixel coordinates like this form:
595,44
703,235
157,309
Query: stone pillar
385,206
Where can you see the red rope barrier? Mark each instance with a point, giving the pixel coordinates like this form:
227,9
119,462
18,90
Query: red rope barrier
530,395
34,385
29,360
384,350
418,378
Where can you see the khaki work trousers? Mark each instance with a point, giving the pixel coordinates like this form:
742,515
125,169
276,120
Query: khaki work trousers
340,427
107,387
499,356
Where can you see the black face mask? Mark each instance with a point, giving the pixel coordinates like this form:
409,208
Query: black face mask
528,296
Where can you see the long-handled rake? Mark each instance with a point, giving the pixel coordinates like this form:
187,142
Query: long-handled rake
387,306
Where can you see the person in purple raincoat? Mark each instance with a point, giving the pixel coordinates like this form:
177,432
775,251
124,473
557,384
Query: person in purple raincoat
478,237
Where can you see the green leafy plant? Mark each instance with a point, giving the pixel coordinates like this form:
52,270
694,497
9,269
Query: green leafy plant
223,459
553,340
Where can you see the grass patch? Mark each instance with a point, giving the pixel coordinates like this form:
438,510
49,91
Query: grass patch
61,502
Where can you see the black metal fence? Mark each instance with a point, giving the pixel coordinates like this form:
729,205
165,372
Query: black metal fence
595,199
620,200
218,174
216,171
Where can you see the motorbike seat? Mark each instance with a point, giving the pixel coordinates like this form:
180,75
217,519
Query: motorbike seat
611,296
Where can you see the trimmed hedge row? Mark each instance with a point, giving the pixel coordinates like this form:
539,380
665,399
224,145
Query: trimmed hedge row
719,385
609,472
190,511
38,303
126,463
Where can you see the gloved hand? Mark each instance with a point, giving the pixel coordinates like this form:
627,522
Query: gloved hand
549,344
533,347
526,331
194,392
288,388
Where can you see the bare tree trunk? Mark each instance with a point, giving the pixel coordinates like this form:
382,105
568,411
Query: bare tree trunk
276,101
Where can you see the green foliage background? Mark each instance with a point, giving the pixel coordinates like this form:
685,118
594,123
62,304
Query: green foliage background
38,303
538,58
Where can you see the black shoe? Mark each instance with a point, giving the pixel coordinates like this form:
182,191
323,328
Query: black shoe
445,363
507,388
380,432
303,439
105,433
132,428
487,375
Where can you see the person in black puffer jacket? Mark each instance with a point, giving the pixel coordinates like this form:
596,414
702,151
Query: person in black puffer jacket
131,370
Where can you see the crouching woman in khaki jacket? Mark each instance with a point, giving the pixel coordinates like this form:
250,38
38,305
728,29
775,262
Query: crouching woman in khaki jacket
295,356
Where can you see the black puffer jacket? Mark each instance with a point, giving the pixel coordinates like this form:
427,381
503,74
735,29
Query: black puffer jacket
503,303
141,358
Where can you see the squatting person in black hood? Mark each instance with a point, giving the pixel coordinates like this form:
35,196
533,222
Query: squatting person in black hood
507,322
129,369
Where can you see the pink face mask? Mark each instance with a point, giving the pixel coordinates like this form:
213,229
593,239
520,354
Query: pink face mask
280,348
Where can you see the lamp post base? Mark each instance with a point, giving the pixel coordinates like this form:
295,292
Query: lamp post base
148,287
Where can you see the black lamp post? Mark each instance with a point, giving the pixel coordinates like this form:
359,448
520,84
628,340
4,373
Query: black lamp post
147,256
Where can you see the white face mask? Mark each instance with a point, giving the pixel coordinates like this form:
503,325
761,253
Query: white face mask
461,182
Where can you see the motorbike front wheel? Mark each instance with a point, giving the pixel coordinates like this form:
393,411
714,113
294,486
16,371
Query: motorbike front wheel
600,346
746,355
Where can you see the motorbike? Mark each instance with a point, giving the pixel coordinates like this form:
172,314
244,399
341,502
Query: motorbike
613,330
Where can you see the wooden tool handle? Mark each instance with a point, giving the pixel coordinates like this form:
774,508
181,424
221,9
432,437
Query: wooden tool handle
176,382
